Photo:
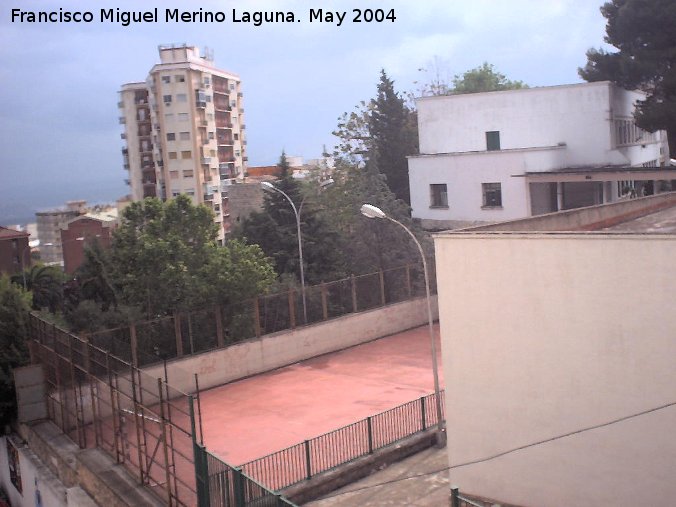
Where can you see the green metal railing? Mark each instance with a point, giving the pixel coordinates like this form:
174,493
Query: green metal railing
307,459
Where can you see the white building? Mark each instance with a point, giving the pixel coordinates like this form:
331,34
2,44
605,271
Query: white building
487,157
184,131
558,340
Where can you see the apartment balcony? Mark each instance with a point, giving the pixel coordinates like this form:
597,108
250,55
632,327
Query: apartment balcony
143,120
240,94
127,182
122,120
123,135
245,159
204,123
120,104
126,166
241,110
200,104
125,152
220,89
148,182
223,125
208,197
243,127
225,141
206,160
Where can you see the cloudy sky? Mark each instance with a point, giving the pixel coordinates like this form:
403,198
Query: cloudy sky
58,122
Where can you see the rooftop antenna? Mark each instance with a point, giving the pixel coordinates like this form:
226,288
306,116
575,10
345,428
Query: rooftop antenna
208,54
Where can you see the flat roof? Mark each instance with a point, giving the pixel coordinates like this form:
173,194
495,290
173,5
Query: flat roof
659,222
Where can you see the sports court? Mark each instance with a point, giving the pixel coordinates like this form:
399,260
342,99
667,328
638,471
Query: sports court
253,417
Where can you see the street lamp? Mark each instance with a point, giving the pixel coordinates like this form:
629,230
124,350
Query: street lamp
371,211
269,187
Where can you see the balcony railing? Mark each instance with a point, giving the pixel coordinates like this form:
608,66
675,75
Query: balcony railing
206,160
224,141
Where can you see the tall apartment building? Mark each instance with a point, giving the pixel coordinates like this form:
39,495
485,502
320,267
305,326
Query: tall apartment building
184,131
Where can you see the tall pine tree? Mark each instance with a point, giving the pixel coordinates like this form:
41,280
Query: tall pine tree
393,128
644,33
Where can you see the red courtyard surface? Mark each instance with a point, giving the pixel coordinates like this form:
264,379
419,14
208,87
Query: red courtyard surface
250,418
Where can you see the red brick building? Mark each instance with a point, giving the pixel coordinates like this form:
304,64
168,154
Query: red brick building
79,232
15,254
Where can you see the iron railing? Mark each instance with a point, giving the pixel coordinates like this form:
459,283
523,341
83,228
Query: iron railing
305,460
458,500
187,333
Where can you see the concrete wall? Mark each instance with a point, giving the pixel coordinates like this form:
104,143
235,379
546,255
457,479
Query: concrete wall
546,334
281,349
590,218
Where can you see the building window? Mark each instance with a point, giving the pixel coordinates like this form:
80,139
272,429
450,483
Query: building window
180,78
166,79
167,99
211,135
173,155
175,193
171,136
188,173
438,195
493,140
181,97
183,117
492,195
184,136
169,117
173,175
232,86
186,154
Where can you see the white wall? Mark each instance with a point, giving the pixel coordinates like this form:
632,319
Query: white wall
545,334
34,476
577,115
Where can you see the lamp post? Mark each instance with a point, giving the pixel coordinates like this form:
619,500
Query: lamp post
269,187
371,211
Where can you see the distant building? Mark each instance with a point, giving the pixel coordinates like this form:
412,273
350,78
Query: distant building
15,255
184,130
487,157
84,230
49,225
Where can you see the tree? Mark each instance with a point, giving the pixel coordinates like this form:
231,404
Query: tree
484,78
274,229
164,257
14,310
643,33
45,285
394,131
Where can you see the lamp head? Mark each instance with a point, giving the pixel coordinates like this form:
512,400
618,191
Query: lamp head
267,186
370,211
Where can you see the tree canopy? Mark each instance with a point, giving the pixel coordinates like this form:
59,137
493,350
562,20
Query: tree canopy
163,258
14,309
274,229
643,33
484,78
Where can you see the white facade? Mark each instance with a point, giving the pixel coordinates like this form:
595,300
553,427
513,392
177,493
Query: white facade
185,131
558,355
490,151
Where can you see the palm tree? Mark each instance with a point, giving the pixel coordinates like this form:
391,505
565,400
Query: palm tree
45,283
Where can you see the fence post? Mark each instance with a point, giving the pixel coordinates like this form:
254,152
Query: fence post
178,333
422,413
134,345
369,427
220,342
325,307
257,317
308,466
455,499
238,485
354,294
163,439
382,287
292,308
408,280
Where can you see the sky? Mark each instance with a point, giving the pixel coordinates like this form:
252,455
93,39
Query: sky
59,130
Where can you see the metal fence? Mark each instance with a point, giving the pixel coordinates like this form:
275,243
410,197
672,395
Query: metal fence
457,500
303,461
154,430
187,333
226,486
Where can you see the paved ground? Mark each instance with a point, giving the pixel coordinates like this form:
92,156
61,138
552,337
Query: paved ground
415,481
659,222
250,418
